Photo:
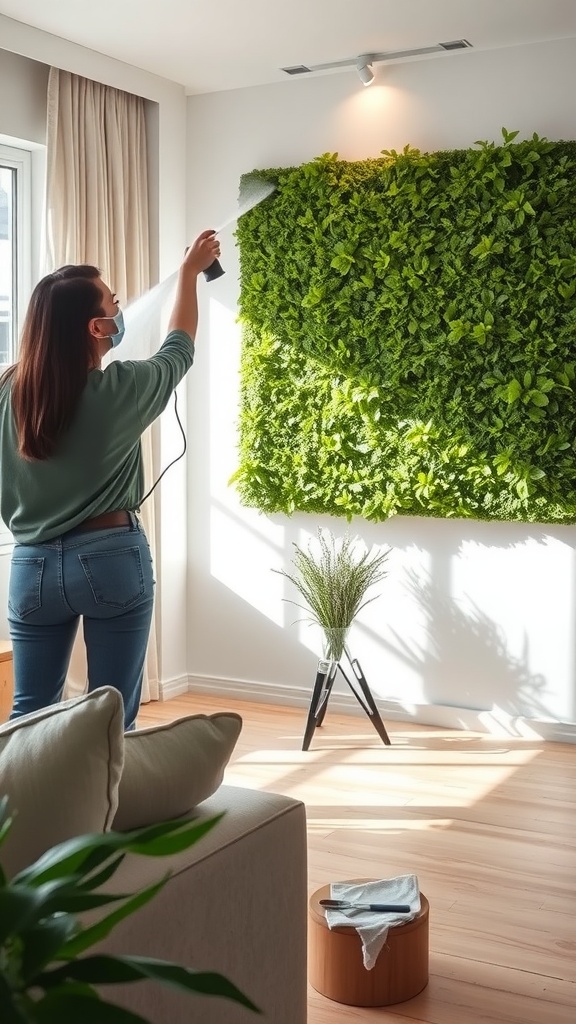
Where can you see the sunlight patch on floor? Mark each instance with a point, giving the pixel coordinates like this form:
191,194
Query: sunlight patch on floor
375,826
370,778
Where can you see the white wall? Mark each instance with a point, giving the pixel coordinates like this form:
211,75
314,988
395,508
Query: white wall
473,616
22,115
23,86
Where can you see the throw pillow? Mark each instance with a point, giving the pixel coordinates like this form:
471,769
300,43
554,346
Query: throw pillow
60,769
171,768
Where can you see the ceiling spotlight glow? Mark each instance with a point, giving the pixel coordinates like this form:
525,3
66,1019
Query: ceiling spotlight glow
364,69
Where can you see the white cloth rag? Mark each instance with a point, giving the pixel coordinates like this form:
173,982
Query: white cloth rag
372,926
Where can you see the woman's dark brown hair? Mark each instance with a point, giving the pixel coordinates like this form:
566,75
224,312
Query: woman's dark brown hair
56,354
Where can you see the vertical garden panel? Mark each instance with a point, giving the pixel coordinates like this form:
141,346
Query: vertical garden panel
409,336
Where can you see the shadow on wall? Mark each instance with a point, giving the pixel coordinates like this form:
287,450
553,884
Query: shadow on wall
448,535
468,646
464,659
459,655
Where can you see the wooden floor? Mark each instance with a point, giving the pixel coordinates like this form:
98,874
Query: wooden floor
488,826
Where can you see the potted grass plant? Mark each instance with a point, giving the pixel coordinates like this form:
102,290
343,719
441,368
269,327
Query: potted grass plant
45,975
333,578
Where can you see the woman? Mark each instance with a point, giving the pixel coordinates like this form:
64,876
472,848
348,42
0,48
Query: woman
71,481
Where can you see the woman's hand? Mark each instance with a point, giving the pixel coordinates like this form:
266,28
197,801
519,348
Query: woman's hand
199,257
202,252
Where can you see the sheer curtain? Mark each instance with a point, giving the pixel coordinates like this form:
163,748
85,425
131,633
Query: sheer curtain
97,212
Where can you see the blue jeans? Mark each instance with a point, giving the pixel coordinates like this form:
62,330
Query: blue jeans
104,576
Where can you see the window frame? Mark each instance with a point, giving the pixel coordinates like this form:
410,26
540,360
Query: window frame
20,160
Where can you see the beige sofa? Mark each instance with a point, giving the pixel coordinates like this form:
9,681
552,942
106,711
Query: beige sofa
235,902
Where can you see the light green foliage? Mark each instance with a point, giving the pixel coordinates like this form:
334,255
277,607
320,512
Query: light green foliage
45,978
409,333
333,580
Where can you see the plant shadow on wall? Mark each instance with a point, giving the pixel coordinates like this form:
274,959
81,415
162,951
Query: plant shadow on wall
466,644
408,336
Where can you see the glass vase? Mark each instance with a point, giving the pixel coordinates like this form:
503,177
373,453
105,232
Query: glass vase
334,642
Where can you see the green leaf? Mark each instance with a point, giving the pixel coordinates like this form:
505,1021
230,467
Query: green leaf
41,944
5,824
86,853
106,970
313,297
513,334
513,391
72,1006
342,263
509,136
99,931
11,1013
19,908
99,878
567,290
522,489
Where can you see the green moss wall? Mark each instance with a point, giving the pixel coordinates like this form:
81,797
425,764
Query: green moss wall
409,336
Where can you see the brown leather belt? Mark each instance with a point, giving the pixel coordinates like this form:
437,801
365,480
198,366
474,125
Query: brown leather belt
106,520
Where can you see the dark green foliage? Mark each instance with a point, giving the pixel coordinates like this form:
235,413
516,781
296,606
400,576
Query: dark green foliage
45,978
409,327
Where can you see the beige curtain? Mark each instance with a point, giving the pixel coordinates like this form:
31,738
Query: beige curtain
97,212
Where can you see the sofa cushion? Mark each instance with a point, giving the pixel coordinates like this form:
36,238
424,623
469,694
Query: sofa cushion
171,768
60,769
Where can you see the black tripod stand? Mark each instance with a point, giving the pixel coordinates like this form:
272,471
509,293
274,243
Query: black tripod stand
325,676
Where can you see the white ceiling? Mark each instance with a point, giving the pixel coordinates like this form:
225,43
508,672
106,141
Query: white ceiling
210,45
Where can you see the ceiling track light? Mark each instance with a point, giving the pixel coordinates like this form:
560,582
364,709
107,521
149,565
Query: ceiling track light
364,69
364,63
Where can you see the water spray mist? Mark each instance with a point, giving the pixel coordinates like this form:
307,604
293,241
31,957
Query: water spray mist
253,190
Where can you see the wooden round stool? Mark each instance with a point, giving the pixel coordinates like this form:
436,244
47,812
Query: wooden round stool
336,968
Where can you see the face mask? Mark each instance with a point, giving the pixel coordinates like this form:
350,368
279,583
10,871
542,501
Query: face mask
119,321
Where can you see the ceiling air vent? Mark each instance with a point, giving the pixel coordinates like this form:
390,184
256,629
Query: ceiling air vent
455,44
298,69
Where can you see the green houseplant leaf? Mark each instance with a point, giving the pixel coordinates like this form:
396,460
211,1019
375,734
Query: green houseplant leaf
105,970
43,979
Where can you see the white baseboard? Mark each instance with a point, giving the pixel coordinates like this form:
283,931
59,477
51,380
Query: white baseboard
174,687
496,722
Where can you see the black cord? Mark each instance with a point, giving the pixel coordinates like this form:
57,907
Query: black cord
178,457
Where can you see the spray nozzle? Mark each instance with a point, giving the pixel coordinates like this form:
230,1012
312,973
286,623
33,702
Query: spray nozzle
214,271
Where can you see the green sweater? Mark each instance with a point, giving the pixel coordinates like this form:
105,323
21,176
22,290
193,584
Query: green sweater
98,465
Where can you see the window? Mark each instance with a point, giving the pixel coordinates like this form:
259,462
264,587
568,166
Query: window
15,258
15,207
